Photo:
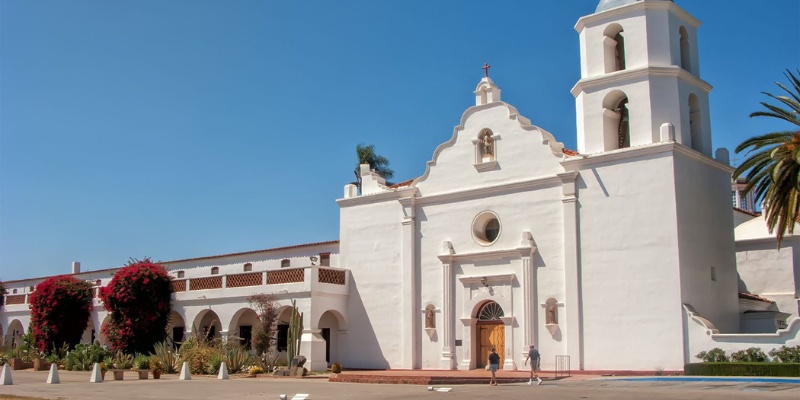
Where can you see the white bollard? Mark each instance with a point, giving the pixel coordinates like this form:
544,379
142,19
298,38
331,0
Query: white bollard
185,376
223,371
52,377
5,376
97,375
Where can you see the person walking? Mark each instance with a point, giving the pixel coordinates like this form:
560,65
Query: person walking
494,363
534,357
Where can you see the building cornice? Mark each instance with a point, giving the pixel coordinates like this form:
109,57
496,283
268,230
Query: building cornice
675,71
615,14
378,197
518,252
487,191
588,160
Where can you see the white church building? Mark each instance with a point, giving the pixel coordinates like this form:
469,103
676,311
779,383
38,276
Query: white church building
621,254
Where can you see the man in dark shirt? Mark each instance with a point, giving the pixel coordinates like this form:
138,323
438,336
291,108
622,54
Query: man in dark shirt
494,363
533,356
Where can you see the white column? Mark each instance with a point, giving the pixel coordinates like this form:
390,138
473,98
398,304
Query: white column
448,331
572,270
470,324
411,318
312,345
529,310
509,362
448,360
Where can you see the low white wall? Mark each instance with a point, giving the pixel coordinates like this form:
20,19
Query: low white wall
700,336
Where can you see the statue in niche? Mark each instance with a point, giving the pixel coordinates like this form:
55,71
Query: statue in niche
488,145
430,318
551,315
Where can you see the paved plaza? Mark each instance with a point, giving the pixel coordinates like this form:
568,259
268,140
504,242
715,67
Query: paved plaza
75,386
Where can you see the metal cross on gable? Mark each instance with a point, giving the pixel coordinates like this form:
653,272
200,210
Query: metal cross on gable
485,68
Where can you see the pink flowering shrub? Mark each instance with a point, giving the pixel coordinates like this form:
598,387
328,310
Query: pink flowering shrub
60,309
138,302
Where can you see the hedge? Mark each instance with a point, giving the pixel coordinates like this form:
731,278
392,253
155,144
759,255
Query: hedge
742,369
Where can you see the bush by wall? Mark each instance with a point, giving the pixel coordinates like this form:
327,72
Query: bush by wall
138,302
60,309
742,369
786,354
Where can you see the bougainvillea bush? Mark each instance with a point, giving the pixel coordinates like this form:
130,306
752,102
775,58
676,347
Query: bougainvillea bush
60,309
138,302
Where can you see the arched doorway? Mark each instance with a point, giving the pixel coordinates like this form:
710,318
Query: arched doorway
329,325
282,328
101,336
241,326
90,334
15,332
176,329
208,325
490,332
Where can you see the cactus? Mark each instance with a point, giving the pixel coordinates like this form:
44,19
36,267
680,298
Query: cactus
295,333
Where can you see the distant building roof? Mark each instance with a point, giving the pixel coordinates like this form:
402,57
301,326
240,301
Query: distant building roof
750,296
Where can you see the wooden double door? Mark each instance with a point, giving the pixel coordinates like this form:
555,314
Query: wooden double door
490,334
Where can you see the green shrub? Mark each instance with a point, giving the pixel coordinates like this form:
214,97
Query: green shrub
165,357
237,357
336,368
214,363
83,357
753,354
714,355
742,369
786,354
122,360
141,361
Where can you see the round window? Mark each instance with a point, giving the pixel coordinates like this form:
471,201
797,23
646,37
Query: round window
486,228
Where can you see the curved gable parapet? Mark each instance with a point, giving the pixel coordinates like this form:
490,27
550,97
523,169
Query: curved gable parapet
556,147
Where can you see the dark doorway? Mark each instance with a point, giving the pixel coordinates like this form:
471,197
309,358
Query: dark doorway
326,334
246,335
282,342
177,336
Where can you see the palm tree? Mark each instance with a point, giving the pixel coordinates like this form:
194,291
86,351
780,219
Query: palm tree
380,164
773,163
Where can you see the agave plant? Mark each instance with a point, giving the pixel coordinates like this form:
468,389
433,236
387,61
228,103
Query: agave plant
236,358
167,358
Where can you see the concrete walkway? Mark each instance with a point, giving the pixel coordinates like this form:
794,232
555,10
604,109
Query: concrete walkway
75,385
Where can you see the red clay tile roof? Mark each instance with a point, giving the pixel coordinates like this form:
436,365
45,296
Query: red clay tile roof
741,210
750,296
192,259
402,184
569,152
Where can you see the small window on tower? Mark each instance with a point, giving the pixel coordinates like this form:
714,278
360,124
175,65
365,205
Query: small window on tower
285,263
215,271
248,267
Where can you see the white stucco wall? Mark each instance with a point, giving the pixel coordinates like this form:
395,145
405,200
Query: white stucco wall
629,262
766,270
370,247
705,229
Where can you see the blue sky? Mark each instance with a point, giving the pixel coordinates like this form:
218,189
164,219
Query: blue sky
189,128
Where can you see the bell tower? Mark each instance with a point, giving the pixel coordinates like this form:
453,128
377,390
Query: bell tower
640,78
